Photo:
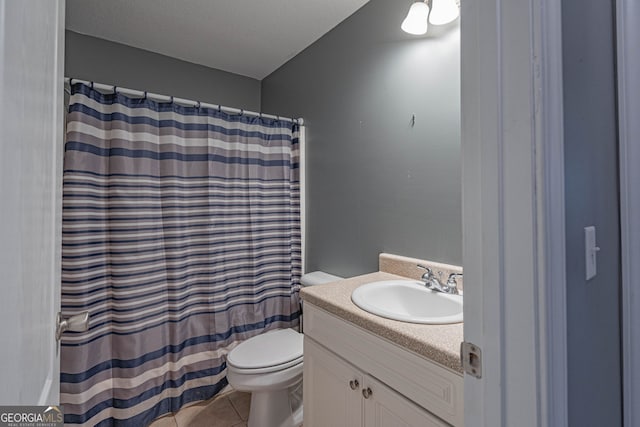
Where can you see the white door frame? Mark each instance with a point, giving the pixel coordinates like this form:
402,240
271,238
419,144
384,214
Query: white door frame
628,63
31,126
513,211
51,393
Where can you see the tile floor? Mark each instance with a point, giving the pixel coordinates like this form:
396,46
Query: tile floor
228,409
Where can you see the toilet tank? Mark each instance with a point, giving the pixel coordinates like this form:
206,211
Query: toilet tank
317,278
312,279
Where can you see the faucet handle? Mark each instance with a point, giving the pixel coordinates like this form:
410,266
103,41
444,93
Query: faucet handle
428,274
451,281
428,270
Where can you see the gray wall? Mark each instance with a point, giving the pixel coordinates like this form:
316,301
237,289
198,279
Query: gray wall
592,199
103,61
375,183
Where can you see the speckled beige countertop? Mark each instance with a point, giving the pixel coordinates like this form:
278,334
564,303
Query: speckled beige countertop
439,343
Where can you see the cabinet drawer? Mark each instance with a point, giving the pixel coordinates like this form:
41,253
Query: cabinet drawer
431,386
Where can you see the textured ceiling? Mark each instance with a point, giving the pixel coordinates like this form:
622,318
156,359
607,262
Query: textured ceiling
251,38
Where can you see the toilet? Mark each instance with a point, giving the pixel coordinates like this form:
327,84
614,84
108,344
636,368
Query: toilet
269,366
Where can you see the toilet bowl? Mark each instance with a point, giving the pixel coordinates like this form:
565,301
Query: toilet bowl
269,366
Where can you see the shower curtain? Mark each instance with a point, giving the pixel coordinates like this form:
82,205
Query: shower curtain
181,237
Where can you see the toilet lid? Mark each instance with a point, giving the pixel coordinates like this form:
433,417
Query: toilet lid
269,349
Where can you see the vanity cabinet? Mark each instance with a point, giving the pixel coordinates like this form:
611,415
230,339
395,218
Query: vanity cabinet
354,378
339,395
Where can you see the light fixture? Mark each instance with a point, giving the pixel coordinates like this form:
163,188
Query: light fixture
443,11
416,21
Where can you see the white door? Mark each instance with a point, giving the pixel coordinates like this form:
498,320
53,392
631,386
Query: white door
31,123
513,211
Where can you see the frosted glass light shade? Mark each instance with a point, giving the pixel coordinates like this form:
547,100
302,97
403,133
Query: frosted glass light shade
443,12
417,19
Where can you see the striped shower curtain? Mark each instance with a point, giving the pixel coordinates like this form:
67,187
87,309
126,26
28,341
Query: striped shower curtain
181,237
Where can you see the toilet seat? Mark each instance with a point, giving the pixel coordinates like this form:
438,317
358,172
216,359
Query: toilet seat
265,370
269,352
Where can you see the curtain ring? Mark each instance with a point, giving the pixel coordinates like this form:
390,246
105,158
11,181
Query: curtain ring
219,108
171,100
91,85
70,82
198,105
241,112
145,94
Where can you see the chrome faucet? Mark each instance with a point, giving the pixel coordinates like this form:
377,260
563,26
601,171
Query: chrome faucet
432,282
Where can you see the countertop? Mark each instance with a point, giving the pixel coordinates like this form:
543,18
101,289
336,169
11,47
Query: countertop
438,343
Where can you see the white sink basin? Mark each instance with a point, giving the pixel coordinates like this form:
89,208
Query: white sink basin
408,301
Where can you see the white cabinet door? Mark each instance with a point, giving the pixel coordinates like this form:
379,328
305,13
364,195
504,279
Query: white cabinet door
384,407
31,121
332,389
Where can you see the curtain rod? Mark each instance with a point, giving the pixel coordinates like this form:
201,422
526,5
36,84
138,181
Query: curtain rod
183,101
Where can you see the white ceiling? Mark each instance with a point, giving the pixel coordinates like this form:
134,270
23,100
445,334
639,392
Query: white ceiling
247,37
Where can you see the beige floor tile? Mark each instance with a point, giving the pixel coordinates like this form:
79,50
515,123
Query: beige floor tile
241,402
185,415
194,403
226,390
229,408
166,421
219,413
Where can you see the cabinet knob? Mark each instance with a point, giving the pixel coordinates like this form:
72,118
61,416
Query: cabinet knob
354,384
366,392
